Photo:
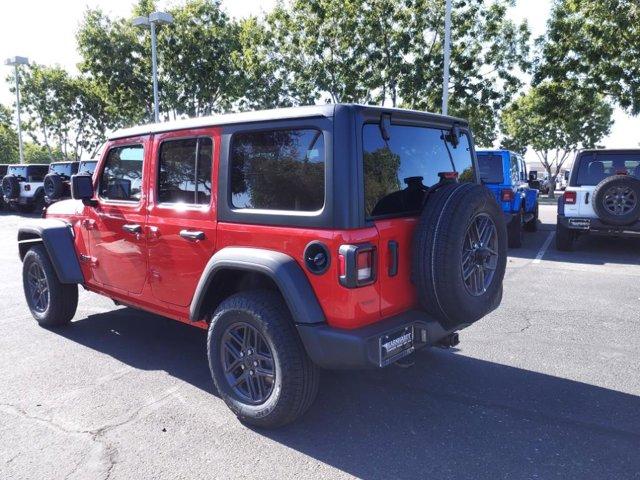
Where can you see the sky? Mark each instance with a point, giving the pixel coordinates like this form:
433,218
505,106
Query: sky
44,31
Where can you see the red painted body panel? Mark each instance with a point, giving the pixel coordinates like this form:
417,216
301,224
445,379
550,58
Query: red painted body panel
158,270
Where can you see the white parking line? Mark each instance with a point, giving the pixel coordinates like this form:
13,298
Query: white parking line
543,248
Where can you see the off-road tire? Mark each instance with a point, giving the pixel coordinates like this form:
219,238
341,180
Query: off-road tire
10,187
296,377
438,244
565,238
515,228
63,297
600,193
532,225
53,186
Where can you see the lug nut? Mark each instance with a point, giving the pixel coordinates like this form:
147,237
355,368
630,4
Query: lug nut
250,372
255,364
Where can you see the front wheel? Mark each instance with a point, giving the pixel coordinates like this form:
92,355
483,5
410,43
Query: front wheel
514,231
564,238
51,302
257,361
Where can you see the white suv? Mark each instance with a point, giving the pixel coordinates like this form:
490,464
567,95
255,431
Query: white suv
603,195
23,186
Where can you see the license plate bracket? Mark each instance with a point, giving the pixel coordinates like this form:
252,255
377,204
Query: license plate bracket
395,345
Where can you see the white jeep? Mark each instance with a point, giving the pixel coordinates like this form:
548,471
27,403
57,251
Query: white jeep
603,196
23,186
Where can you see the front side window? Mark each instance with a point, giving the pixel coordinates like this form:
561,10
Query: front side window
399,171
278,170
121,177
593,168
185,171
490,167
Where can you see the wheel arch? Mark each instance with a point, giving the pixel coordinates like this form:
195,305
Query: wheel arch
57,238
234,269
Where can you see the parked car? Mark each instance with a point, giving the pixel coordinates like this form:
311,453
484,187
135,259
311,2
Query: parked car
57,182
334,236
3,172
562,180
603,196
505,174
23,186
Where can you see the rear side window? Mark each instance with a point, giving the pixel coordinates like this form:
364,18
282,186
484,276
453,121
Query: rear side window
593,168
36,173
185,171
398,172
278,170
490,167
64,169
121,177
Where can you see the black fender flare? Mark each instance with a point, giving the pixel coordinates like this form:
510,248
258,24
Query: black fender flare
281,268
57,238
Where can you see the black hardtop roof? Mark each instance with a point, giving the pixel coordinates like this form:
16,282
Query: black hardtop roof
609,150
326,111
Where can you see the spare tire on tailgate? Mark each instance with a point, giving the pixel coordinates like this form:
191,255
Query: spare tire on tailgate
53,186
460,254
10,187
616,200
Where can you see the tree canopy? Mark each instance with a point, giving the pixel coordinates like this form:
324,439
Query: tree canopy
597,44
555,119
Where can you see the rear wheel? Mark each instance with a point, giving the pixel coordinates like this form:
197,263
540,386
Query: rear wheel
564,238
51,302
515,230
258,362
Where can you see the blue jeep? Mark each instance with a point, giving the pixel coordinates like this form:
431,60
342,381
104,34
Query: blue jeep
505,174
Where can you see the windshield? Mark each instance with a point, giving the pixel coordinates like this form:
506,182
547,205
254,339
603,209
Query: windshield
87,167
398,171
595,167
66,169
490,167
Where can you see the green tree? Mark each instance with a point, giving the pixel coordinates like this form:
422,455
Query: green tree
555,119
597,44
377,51
63,112
8,137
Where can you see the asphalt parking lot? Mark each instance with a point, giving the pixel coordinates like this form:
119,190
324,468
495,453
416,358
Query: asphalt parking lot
548,386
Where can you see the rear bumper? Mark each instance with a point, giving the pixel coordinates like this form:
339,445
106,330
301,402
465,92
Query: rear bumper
583,224
365,347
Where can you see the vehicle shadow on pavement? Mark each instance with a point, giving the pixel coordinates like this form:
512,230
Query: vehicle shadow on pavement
449,416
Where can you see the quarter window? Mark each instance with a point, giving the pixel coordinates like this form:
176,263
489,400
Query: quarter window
278,170
185,171
121,178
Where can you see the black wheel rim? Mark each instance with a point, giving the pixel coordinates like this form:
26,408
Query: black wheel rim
248,363
38,288
479,254
619,200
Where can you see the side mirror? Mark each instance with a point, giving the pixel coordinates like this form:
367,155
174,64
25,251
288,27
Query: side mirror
82,188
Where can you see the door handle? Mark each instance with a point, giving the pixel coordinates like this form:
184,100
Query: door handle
132,228
192,235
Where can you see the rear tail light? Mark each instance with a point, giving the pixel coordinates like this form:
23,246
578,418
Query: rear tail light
356,265
570,198
506,195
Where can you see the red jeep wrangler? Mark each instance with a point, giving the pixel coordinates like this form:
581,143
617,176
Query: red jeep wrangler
334,236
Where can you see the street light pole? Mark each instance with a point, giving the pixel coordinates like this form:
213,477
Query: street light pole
15,62
447,57
154,69
151,21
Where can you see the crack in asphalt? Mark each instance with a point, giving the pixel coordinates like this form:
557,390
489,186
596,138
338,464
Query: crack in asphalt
96,435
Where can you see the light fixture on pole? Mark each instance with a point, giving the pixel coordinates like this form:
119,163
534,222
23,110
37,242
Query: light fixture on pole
15,62
447,57
156,18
